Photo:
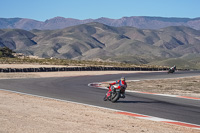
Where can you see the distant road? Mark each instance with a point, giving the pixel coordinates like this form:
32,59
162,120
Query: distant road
76,89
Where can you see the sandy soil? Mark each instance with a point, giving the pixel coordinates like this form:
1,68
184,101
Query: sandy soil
28,114
21,113
27,66
179,86
58,74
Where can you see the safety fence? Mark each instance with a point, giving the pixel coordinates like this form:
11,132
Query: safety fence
56,69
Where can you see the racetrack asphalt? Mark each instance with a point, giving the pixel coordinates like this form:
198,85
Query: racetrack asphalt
76,89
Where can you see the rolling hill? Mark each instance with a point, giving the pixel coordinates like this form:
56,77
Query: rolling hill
165,46
16,39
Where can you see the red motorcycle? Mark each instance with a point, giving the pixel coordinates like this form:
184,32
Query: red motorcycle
115,93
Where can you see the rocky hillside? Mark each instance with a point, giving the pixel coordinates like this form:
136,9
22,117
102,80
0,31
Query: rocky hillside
98,41
138,22
16,39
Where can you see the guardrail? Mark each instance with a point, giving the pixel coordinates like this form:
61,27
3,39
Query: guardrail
56,69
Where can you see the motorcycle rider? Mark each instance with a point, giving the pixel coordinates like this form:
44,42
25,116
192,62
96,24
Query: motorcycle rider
173,68
122,83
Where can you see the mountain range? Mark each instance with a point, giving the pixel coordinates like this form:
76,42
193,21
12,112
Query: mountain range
166,46
141,22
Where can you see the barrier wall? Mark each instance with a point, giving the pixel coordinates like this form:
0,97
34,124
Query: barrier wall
55,69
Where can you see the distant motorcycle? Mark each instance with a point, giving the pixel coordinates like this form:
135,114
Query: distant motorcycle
171,70
115,93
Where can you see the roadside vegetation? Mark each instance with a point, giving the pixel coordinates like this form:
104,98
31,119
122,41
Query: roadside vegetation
6,57
6,52
68,62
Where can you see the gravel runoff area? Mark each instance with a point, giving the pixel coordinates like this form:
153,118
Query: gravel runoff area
23,113
189,87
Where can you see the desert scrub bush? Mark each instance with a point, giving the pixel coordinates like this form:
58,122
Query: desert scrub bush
6,52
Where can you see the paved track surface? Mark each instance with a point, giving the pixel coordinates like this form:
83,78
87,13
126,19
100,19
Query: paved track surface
76,89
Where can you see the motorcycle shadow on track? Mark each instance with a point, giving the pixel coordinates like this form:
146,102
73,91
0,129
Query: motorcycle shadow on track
134,102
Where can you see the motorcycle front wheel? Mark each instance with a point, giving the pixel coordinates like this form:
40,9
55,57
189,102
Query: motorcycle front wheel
115,96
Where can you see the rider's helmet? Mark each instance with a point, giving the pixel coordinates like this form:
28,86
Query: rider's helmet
123,78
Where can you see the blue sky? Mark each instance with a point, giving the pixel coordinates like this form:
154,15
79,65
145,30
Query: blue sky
84,9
